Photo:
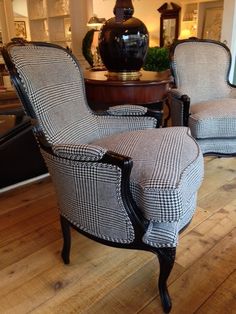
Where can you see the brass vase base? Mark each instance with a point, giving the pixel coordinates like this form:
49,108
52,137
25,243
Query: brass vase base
123,76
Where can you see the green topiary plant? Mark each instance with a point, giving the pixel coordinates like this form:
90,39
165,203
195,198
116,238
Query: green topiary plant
157,59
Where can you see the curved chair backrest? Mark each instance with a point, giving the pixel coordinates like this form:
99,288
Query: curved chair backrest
53,82
90,194
201,68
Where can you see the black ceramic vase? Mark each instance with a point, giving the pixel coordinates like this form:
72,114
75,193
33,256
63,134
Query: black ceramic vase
123,42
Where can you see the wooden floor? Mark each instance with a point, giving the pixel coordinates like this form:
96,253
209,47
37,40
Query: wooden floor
106,280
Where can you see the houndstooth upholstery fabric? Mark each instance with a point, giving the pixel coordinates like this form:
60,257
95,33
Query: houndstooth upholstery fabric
167,169
55,86
164,180
214,118
201,69
201,72
127,110
83,152
89,196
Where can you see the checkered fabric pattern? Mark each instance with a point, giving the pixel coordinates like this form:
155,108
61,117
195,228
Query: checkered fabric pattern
83,152
200,70
218,145
109,125
55,86
127,110
167,169
167,163
166,234
89,196
212,117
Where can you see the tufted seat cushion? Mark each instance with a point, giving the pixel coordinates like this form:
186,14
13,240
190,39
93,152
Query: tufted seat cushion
167,172
213,118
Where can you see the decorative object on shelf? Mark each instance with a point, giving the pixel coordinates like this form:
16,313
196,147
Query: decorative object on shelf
123,42
157,59
169,23
20,29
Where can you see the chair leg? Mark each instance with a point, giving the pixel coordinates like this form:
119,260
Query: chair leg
65,227
166,258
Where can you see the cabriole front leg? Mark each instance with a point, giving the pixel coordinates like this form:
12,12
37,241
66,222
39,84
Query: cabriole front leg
65,227
166,258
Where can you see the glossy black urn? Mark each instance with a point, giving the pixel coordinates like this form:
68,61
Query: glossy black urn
123,41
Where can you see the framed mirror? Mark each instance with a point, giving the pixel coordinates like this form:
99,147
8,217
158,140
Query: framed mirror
169,23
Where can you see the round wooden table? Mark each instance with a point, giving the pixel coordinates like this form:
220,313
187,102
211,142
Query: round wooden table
149,90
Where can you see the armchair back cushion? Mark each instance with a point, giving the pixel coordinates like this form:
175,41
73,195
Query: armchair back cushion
55,86
202,70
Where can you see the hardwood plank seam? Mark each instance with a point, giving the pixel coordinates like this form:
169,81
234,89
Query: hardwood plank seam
213,292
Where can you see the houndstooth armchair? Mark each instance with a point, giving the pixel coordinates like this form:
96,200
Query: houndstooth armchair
203,98
119,180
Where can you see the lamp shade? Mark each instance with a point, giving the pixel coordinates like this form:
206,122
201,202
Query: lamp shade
95,21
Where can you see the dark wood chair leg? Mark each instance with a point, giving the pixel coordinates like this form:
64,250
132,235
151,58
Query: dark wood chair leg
65,227
166,258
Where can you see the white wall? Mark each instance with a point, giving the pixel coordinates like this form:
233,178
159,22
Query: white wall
20,7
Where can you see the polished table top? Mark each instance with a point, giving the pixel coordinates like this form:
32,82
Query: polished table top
146,77
102,92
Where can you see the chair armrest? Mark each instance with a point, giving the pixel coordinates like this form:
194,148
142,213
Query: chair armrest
109,125
127,110
83,152
179,107
134,110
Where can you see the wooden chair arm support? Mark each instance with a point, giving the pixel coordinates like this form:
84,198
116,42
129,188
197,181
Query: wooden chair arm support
186,105
158,115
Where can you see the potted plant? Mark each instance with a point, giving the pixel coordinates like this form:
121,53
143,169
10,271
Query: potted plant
157,59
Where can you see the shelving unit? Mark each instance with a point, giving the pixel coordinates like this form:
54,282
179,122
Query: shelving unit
193,16
49,20
190,18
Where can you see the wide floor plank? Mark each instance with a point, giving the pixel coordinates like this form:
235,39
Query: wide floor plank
104,280
202,278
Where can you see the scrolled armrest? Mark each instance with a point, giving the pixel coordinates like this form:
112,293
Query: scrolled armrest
127,110
82,152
